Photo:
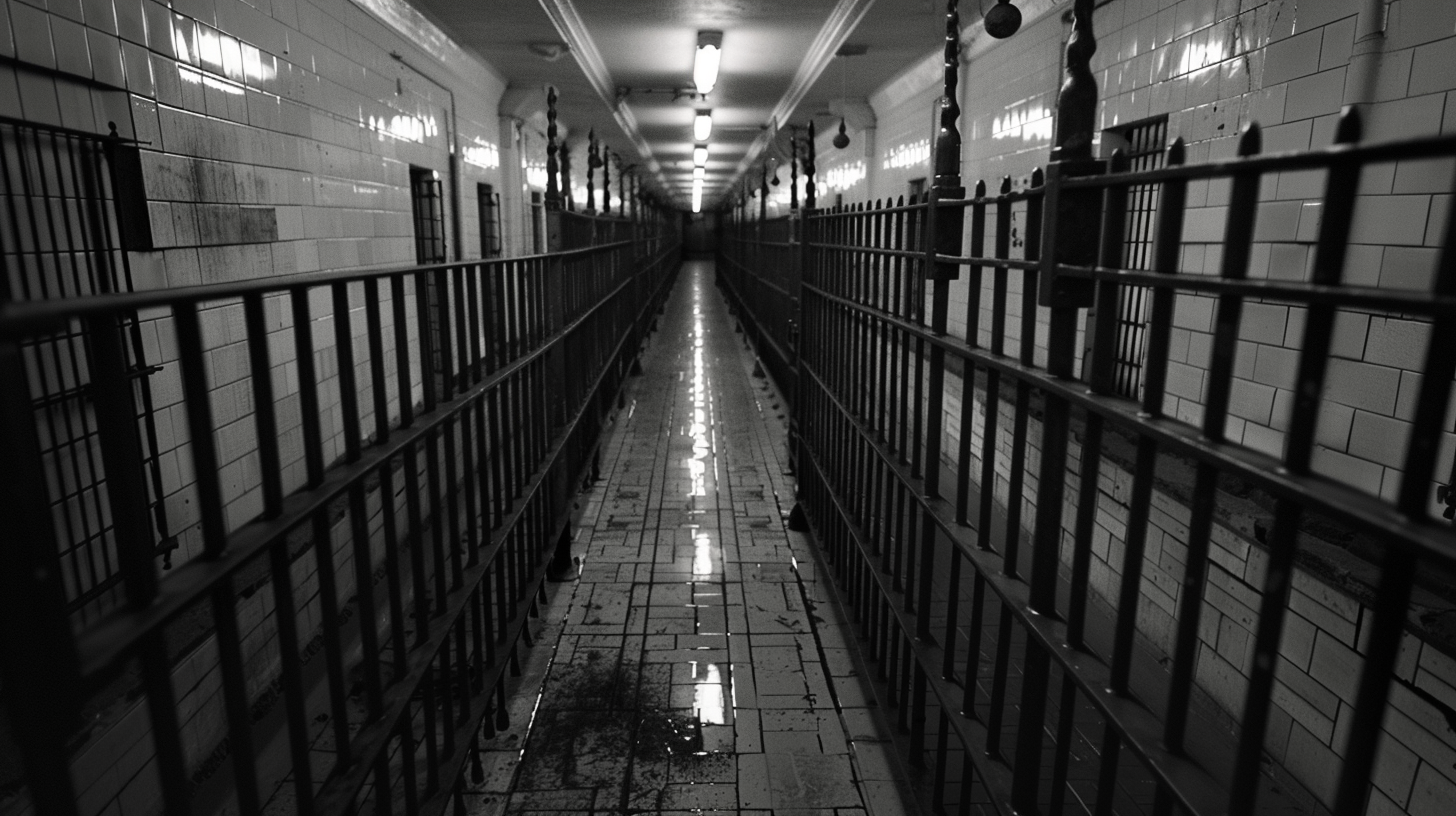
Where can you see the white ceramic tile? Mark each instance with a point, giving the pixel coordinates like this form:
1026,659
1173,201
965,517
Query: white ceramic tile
131,20
31,29
106,59
38,102
99,15
76,107
7,40
72,54
9,89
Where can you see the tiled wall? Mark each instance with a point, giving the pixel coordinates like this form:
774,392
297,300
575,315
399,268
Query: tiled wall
904,135
277,137
1213,67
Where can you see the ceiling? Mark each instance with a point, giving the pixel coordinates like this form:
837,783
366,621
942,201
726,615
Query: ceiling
625,59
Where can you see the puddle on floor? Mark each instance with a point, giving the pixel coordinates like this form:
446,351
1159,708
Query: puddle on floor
607,732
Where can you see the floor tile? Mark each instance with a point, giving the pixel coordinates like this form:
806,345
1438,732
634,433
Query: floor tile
683,670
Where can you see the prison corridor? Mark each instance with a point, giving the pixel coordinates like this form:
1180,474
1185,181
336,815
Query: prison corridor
375,438
695,663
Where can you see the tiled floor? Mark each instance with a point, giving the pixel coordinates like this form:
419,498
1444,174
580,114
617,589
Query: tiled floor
692,667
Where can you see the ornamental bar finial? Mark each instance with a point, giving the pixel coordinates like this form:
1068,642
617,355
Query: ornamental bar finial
553,188
568,199
763,195
948,141
592,163
793,167
1077,102
809,148
606,180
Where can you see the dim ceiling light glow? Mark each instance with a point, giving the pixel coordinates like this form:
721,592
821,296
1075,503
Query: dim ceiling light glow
700,156
705,63
702,126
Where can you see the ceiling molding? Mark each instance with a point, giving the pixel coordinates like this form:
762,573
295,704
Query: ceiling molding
836,29
574,31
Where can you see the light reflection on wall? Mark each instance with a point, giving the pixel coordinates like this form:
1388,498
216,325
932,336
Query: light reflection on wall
908,154
482,154
536,175
1201,55
414,27
1032,123
256,68
216,53
844,176
403,126
196,77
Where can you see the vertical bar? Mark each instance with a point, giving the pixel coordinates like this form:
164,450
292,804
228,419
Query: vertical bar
1398,569
1238,236
445,374
31,589
1329,265
121,453
429,370
348,383
374,330
199,421
405,383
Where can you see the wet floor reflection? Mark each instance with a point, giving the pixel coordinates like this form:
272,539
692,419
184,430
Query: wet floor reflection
708,697
703,555
699,408
687,677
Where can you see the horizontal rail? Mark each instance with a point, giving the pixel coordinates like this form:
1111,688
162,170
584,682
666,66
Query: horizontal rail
114,636
37,316
498,374
1372,515
943,470
1091,675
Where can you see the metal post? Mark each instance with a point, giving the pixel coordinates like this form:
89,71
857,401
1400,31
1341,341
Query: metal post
568,199
1078,215
41,688
809,168
593,161
944,239
606,180
553,188
1077,218
763,195
793,168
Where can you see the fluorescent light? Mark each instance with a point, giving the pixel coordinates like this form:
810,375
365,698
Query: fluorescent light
702,126
700,156
698,195
700,173
705,64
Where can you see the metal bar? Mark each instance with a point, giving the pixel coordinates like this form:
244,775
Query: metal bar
31,590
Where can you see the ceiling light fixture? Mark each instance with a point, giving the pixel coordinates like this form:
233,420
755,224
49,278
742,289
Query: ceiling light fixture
697,196
705,63
700,173
700,156
702,125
